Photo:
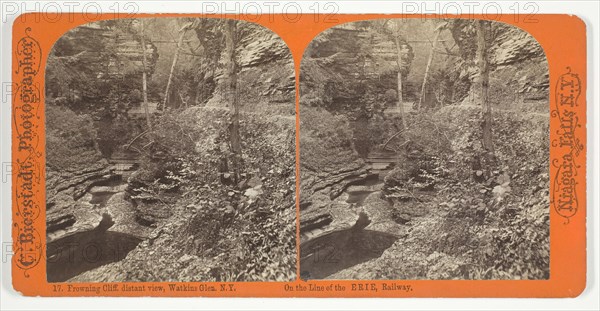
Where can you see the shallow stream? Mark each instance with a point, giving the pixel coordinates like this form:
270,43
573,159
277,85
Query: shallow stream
84,251
331,252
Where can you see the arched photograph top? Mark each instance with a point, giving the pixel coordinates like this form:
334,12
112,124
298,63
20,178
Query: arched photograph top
424,152
170,151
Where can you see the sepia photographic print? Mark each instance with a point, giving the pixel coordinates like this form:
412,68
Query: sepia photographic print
380,155
424,152
170,152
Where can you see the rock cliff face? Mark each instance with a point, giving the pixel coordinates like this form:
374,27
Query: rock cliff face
266,69
73,165
339,65
520,58
86,61
348,77
267,64
518,63
352,68
94,54
207,225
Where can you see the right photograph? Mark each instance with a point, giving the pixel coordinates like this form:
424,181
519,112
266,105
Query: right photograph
424,152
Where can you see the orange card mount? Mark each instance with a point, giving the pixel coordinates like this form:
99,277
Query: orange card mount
366,259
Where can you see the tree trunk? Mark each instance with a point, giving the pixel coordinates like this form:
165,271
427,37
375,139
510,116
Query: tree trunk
400,100
429,61
144,77
234,126
484,77
175,58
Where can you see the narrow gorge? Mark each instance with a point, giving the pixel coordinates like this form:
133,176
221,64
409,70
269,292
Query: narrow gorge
170,160
396,181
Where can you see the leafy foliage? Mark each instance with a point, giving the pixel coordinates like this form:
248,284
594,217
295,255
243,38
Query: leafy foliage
229,229
469,215
327,138
70,140
250,236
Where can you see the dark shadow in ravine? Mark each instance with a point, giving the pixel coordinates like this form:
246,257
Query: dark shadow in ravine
101,198
84,251
338,250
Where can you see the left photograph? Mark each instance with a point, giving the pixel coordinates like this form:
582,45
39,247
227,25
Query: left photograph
170,153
